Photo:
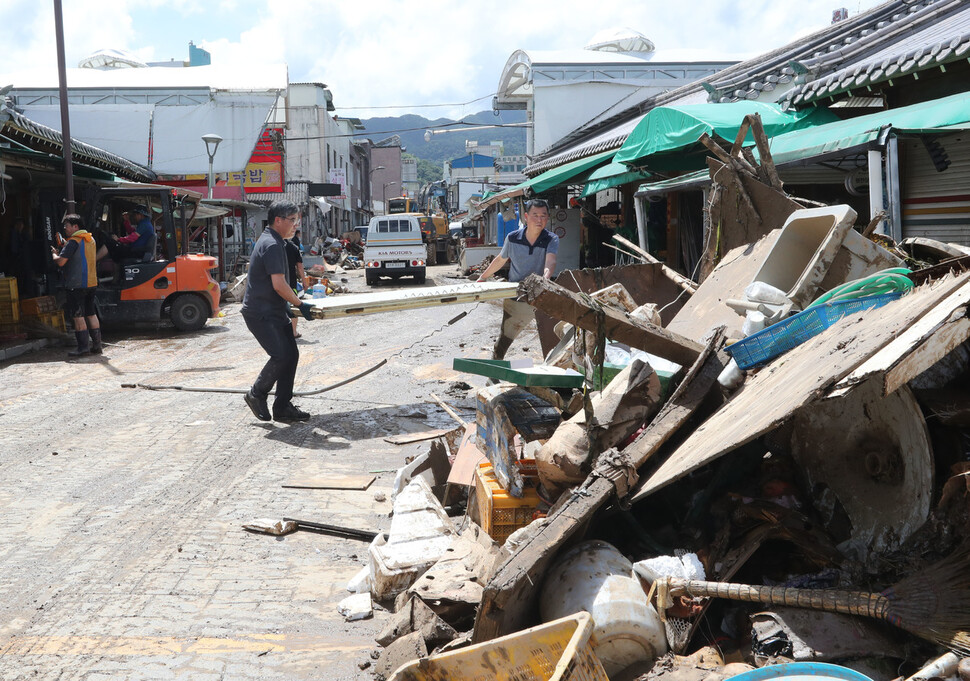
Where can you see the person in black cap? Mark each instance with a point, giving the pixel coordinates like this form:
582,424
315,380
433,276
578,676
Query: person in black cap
137,242
265,310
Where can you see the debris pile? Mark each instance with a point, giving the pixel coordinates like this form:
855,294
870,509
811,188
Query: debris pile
770,466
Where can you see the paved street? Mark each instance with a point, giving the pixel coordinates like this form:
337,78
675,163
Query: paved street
121,510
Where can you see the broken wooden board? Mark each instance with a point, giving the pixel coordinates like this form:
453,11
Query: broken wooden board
795,379
563,304
421,436
706,308
736,226
510,596
335,307
917,348
466,461
353,482
645,284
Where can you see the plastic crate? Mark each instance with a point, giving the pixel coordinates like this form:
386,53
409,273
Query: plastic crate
8,288
55,319
500,513
9,311
779,338
33,307
556,651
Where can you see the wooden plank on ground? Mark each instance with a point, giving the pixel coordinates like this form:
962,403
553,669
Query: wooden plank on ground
335,307
408,438
510,597
919,347
560,303
354,482
795,379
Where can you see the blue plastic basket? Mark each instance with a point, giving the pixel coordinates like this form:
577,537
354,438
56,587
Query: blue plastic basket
779,338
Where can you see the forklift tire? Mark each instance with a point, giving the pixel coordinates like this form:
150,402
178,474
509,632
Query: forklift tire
189,313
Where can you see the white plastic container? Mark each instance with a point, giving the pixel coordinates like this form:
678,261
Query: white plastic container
594,576
319,290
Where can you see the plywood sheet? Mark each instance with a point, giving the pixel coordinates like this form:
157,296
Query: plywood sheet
796,379
335,307
408,438
356,482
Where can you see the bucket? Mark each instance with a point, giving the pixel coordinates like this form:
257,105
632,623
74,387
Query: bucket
594,576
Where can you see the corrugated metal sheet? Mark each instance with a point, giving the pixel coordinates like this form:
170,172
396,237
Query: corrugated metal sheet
936,205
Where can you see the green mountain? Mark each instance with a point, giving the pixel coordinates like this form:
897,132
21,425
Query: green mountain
445,147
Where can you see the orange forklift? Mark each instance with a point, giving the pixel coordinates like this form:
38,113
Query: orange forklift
165,281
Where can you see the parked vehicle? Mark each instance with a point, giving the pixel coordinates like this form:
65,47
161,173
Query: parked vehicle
394,249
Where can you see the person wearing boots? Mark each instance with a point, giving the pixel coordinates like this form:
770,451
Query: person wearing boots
532,250
78,264
265,310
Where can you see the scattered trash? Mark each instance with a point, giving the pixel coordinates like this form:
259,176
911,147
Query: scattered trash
356,607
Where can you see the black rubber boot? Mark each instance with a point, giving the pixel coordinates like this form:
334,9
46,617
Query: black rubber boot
83,344
96,346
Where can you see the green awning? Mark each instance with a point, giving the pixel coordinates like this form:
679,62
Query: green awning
666,137
938,115
613,175
567,172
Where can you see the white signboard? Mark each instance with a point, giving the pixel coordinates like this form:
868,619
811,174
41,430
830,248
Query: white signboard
567,224
339,176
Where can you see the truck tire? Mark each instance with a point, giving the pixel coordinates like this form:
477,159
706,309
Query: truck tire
189,313
370,278
420,278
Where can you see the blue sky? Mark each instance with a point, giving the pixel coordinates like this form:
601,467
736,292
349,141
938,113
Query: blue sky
393,53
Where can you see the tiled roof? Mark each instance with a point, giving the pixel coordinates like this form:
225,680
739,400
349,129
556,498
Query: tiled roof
911,42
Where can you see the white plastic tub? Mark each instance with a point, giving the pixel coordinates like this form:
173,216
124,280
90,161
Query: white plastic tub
594,576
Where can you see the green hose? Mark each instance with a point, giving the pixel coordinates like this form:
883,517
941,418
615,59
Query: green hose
892,280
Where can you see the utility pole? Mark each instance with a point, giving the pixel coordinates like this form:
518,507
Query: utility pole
65,118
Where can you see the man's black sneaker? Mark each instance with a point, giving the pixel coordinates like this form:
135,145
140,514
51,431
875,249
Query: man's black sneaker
259,407
288,413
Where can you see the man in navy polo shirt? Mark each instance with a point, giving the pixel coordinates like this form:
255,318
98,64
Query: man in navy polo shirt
266,311
532,250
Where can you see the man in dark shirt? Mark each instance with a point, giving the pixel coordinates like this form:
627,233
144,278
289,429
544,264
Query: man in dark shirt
77,260
265,310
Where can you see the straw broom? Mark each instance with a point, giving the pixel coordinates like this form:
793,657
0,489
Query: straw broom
933,604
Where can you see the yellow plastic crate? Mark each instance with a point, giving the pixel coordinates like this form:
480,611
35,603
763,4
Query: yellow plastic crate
499,512
8,288
9,311
556,651
55,319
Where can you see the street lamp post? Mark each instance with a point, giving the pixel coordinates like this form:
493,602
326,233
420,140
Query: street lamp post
370,185
211,144
384,194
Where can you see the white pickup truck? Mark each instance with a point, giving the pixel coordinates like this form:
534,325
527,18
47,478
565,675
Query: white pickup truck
394,249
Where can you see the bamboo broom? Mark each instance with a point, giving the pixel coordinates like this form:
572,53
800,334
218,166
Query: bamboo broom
933,604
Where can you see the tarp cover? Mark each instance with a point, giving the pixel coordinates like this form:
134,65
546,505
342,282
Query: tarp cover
176,132
673,130
948,113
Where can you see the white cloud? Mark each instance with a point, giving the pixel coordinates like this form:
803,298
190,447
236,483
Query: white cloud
392,52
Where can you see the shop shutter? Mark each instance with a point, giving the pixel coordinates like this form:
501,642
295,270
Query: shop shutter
936,205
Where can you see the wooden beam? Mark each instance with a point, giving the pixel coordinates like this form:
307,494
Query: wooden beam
679,279
335,307
509,598
764,151
583,313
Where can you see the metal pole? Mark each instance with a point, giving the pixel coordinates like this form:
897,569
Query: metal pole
65,119
211,157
